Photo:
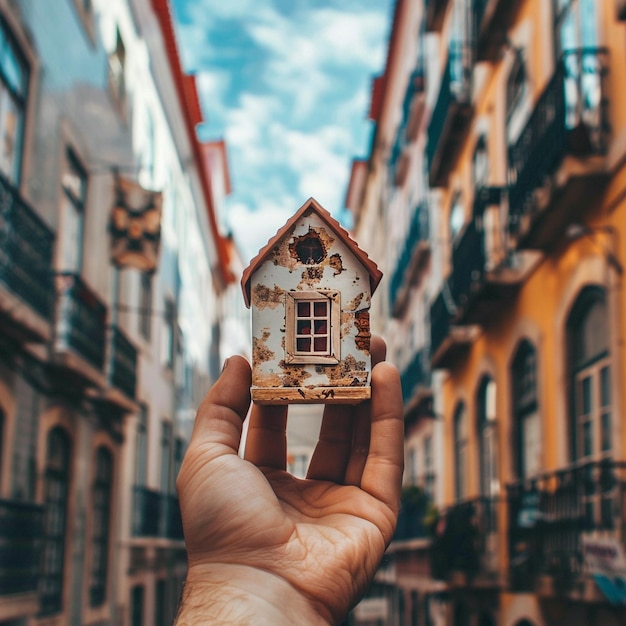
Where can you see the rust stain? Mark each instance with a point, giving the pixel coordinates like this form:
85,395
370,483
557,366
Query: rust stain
353,305
347,373
312,275
267,380
260,351
263,296
336,263
362,323
293,375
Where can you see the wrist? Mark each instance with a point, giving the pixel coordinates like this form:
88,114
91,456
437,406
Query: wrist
241,595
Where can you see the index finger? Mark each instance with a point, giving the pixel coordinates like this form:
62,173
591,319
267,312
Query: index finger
382,474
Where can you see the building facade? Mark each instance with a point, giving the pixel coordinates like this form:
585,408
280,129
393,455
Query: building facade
100,365
514,128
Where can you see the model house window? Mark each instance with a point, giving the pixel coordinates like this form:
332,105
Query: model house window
74,183
56,492
117,67
145,305
13,94
312,327
526,411
461,444
101,523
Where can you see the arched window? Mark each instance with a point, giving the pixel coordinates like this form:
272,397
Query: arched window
56,491
590,377
102,487
487,439
461,445
527,429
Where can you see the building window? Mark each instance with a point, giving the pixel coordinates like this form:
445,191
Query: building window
179,453
429,468
480,163
575,25
166,456
313,320
117,78
168,345
487,439
145,306
160,603
590,377
14,77
101,524
141,447
461,444
515,84
56,493
74,183
526,411
136,605
457,216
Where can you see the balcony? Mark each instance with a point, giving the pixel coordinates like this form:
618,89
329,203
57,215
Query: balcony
21,528
26,288
451,117
550,515
416,391
464,550
557,167
121,372
448,342
80,331
412,260
435,14
412,517
483,274
493,19
156,515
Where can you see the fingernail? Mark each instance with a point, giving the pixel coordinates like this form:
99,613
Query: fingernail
225,364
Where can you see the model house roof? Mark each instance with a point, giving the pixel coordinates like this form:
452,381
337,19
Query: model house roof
311,205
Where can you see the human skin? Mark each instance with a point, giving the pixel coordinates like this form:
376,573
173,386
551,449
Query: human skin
265,547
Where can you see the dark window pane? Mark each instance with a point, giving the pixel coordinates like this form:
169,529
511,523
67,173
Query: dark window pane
320,344
304,327
321,309
321,327
605,386
304,309
606,431
303,345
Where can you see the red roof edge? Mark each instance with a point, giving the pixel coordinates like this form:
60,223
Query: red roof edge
190,105
369,265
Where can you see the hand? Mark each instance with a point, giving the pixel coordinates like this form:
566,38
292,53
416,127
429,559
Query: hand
266,547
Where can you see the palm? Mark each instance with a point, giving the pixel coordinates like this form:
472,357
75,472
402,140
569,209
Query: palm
323,535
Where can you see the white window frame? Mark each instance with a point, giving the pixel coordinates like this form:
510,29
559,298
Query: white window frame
332,356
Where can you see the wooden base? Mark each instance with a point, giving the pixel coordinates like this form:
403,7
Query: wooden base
310,395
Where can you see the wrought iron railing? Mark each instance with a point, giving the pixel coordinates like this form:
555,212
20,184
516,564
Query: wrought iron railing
122,362
155,514
468,262
416,373
80,319
21,528
570,116
461,540
418,232
26,245
548,515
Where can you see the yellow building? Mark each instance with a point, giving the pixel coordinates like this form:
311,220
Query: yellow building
524,137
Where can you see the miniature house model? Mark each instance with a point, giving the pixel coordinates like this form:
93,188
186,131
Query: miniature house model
310,291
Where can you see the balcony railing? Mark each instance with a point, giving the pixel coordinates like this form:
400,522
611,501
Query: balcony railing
416,374
451,116
441,313
410,257
412,516
549,514
80,320
21,528
462,540
468,263
122,362
155,514
25,251
569,118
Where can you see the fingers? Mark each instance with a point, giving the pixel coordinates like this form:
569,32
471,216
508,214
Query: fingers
220,416
266,441
382,474
344,436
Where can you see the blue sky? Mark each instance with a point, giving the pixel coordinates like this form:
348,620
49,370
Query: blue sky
287,83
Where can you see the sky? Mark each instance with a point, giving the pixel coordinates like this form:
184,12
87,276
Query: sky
287,84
